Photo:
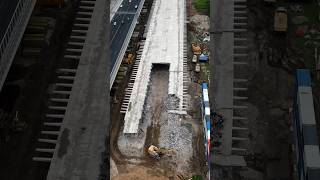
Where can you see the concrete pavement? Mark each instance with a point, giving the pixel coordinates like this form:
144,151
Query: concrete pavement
85,128
223,78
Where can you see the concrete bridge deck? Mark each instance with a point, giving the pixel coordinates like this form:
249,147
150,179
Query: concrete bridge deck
82,138
164,45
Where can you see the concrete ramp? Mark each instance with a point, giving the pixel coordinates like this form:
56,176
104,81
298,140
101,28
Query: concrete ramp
164,45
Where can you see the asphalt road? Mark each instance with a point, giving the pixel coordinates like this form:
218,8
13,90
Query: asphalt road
7,8
119,31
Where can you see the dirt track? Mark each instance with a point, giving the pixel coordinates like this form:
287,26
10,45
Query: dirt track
159,92
166,167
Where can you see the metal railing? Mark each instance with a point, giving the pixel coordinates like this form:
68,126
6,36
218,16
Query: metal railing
117,64
8,42
11,25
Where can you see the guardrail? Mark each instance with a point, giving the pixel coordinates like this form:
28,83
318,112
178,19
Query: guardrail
8,43
11,25
117,64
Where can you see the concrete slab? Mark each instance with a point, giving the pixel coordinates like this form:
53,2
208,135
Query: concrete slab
81,142
164,45
223,72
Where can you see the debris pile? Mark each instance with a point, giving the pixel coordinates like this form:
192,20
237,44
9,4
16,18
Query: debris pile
201,22
176,135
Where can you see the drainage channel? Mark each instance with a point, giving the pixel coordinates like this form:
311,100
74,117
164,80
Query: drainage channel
239,129
60,91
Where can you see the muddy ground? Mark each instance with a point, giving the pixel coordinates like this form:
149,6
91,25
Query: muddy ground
181,133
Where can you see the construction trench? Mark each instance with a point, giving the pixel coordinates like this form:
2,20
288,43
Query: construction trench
160,124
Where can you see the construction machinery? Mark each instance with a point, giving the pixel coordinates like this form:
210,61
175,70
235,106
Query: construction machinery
196,48
129,58
280,20
157,153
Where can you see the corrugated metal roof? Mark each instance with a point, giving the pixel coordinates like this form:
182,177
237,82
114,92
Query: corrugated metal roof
303,77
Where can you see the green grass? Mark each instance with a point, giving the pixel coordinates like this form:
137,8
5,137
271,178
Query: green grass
203,6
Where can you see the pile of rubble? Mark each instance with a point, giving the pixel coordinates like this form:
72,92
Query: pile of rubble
176,135
200,22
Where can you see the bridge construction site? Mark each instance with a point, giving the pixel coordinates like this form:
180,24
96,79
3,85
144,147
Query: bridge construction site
53,115
151,100
198,89
54,112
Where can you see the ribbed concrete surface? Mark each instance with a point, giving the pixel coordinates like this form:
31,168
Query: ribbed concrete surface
164,44
82,136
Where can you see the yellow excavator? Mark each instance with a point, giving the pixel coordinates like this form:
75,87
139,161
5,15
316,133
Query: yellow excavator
196,48
157,153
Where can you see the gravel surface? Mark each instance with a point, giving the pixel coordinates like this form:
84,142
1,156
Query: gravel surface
176,135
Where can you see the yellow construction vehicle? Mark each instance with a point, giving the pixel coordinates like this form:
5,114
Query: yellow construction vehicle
196,48
156,152
129,58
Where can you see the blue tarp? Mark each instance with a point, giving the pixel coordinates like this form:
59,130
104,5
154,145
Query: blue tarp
203,58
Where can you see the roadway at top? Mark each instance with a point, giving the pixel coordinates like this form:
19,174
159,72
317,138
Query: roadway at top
123,18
